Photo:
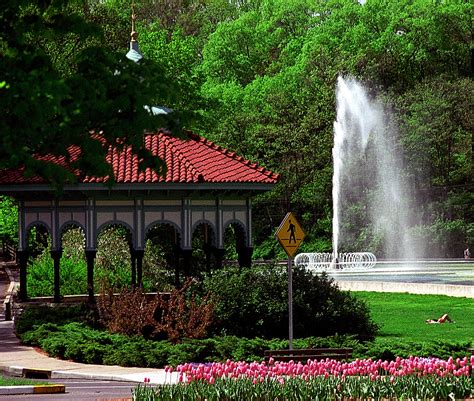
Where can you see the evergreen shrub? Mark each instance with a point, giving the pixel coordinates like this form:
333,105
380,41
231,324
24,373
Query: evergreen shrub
253,302
390,349
62,314
80,343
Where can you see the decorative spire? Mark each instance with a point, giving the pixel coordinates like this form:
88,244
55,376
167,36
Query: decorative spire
134,34
134,53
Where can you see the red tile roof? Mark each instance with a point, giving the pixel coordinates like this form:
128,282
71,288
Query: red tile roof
195,160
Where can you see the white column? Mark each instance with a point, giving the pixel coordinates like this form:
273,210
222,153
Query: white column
186,223
249,223
139,225
91,229
21,226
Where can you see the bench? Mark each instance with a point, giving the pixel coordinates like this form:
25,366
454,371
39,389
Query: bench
302,355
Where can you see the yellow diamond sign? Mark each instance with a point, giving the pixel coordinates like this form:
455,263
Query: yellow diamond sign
290,234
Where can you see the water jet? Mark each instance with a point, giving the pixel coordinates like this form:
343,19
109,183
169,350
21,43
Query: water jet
370,202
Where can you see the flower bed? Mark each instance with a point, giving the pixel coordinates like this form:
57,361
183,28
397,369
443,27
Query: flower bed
412,378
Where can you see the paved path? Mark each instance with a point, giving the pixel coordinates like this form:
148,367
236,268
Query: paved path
21,360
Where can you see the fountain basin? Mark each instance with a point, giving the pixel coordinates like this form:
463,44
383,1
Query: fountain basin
329,261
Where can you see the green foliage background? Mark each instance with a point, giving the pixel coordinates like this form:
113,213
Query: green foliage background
112,268
8,220
262,75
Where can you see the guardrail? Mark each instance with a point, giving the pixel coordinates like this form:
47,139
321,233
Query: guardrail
9,251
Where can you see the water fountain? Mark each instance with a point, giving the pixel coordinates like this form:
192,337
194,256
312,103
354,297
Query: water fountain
368,188
344,260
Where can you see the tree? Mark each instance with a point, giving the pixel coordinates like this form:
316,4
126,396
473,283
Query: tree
8,220
47,109
271,74
270,106
437,124
178,55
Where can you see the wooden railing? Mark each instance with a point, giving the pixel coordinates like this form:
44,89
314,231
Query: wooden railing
9,251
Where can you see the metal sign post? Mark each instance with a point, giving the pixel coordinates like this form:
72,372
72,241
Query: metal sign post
290,235
290,302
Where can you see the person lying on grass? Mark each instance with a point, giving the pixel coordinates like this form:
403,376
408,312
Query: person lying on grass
443,319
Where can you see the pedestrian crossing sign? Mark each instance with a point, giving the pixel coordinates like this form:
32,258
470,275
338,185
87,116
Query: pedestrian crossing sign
290,234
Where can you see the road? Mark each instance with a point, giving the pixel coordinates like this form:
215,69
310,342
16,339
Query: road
82,390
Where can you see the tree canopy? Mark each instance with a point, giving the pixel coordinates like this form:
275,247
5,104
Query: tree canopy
59,83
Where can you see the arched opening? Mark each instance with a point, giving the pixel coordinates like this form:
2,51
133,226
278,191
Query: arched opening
112,264
203,244
40,271
73,270
234,241
38,239
161,258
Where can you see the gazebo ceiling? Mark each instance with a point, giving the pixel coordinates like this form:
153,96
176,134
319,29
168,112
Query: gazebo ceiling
194,160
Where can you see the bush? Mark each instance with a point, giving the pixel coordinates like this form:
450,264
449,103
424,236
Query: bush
72,276
80,343
253,302
73,268
62,314
180,314
38,334
128,313
8,220
389,350
129,353
112,266
183,314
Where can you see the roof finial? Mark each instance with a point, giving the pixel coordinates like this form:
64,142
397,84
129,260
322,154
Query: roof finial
134,34
134,53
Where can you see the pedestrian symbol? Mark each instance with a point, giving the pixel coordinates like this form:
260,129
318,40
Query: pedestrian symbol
291,230
290,234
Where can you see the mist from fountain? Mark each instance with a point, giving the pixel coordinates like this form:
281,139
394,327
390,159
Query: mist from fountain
350,131
368,183
371,207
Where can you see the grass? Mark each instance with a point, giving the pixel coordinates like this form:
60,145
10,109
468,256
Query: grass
16,381
404,316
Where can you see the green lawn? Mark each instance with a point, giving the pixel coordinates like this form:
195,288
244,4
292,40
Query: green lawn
17,381
403,316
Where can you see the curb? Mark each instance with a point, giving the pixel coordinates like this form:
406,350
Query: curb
47,374
30,389
61,374
49,389
27,373
33,389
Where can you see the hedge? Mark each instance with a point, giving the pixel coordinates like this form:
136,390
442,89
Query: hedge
75,341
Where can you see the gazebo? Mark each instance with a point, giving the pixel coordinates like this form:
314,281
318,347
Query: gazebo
205,185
